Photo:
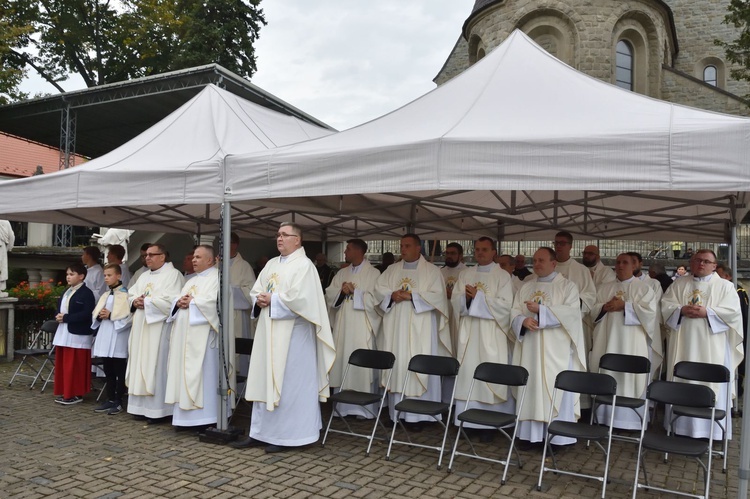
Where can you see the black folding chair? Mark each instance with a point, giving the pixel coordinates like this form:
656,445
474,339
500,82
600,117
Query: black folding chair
594,384
498,374
375,360
36,358
432,365
629,364
683,395
706,373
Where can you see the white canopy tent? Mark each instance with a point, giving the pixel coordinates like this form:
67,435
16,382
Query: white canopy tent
519,144
166,178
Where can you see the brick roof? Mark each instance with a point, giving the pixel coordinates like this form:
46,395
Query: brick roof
20,157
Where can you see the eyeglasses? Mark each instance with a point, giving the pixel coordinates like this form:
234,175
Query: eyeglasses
281,234
704,262
151,255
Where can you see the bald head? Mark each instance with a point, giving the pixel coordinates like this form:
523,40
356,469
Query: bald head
590,255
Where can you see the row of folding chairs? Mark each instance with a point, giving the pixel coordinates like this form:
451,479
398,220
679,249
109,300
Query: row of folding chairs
684,399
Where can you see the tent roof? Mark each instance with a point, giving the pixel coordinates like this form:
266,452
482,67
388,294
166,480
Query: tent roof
522,140
135,105
176,162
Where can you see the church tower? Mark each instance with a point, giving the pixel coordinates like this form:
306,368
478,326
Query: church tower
660,48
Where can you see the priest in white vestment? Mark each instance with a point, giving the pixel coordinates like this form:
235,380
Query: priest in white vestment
625,318
194,365
579,275
546,318
659,327
482,298
293,350
356,324
241,279
412,297
600,273
703,314
454,265
151,300
507,263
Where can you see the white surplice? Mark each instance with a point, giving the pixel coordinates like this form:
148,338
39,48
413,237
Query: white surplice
113,333
558,345
716,339
148,346
484,335
419,326
356,325
292,354
95,281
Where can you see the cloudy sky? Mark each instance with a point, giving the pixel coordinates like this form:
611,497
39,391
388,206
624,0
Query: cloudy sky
348,61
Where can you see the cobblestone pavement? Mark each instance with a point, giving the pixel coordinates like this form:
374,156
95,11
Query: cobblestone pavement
49,450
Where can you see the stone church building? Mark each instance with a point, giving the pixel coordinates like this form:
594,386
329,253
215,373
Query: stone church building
660,48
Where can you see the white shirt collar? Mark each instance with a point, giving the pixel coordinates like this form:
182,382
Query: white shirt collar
549,278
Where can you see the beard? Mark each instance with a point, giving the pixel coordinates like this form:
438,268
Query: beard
451,264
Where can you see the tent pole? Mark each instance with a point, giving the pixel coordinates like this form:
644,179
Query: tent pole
226,228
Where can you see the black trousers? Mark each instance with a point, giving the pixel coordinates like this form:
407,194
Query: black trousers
114,370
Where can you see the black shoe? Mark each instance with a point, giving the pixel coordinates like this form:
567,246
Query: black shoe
70,401
245,443
525,445
139,417
273,449
105,407
154,421
115,409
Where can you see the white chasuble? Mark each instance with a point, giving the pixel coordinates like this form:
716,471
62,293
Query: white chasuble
149,341
633,331
194,334
450,276
419,326
356,324
295,284
557,346
716,339
484,333
580,275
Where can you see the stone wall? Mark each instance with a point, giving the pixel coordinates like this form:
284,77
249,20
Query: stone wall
681,88
457,62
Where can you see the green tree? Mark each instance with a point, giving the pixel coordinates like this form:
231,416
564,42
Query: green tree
105,41
738,51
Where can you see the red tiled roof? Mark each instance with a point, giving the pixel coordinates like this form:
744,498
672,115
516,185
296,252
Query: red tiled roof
20,157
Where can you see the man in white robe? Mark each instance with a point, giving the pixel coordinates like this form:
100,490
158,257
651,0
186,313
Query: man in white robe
293,349
703,313
143,268
507,263
7,238
625,318
193,367
482,298
600,273
94,271
658,327
356,324
151,300
454,265
412,296
241,279
579,275
546,318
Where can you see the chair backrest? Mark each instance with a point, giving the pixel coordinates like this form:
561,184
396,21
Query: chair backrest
625,363
436,365
501,374
243,346
583,382
701,371
677,393
372,359
49,326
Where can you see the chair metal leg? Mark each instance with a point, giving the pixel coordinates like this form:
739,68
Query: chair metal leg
455,445
330,420
393,434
